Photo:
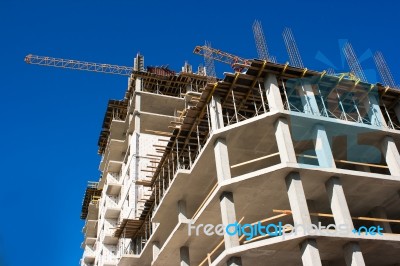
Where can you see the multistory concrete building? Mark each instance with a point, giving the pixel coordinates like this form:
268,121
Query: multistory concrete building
271,145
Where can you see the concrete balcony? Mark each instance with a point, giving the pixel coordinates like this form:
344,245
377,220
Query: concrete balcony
112,209
113,184
89,241
89,254
115,151
90,228
110,261
109,238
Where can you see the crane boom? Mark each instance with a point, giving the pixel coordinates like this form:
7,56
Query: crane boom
78,65
220,56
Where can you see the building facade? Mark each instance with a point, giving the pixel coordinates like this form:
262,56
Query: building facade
274,145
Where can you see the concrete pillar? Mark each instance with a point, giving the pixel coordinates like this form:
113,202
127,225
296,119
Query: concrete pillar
234,261
312,209
284,141
310,253
397,111
391,154
307,98
222,160
380,212
353,255
228,216
184,256
216,113
339,207
182,216
297,200
156,249
371,104
273,94
138,99
322,147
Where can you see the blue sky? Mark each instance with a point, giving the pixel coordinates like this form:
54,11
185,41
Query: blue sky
51,118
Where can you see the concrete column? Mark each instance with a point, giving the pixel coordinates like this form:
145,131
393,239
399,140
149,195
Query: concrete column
222,160
182,216
339,207
156,249
310,253
380,212
184,256
371,104
312,209
273,94
353,255
234,261
138,99
216,113
322,147
297,200
391,154
284,141
397,111
307,98
228,216
138,84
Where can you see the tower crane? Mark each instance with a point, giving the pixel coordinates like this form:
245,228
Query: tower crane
236,62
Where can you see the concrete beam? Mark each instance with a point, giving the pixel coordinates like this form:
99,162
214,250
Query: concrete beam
228,216
363,168
216,113
156,249
222,160
380,212
339,207
234,261
310,253
297,200
307,98
184,256
284,141
397,111
182,215
391,154
353,255
323,147
371,104
273,94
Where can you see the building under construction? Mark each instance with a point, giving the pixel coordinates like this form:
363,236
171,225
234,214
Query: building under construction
267,145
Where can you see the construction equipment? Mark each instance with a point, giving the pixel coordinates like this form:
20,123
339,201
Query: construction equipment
384,71
236,62
78,65
352,61
291,46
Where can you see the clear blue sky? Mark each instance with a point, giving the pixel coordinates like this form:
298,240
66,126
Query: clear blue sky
51,118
